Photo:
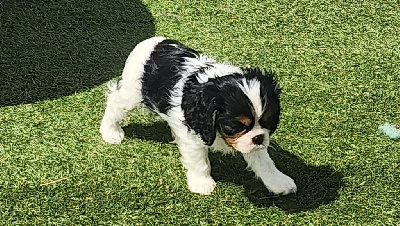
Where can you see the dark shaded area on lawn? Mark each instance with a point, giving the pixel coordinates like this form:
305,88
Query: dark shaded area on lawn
158,132
317,185
51,49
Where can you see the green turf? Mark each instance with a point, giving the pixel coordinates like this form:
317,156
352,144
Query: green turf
338,65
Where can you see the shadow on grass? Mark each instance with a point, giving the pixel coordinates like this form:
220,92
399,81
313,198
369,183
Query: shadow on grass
51,49
158,132
317,185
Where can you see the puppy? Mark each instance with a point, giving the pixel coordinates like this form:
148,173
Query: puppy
208,105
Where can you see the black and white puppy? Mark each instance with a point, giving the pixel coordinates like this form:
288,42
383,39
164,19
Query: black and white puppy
208,105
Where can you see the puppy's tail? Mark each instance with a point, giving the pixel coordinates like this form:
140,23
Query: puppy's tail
112,86
122,95
113,92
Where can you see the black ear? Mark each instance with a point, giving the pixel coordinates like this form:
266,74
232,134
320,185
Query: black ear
270,117
207,120
199,104
277,89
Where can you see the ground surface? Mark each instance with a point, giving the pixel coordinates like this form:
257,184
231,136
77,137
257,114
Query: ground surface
338,65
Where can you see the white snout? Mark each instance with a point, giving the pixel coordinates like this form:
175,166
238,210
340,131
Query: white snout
245,143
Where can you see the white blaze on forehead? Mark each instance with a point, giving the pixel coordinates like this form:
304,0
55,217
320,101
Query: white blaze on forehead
252,90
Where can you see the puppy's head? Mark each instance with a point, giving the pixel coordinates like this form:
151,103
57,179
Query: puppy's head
251,115
243,109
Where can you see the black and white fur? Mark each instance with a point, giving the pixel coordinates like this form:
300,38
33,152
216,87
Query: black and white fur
208,105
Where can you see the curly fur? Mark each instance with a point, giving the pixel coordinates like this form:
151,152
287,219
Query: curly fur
208,106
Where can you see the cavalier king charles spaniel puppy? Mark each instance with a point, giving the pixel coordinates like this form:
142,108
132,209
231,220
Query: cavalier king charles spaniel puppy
208,106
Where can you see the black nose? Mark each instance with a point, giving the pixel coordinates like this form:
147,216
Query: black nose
258,139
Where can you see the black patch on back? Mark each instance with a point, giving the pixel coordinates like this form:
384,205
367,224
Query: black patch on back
162,71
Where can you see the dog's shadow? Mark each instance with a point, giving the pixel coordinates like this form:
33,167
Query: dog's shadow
158,132
316,185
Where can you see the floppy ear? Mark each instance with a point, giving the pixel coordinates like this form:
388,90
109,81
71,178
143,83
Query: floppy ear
270,117
207,120
200,110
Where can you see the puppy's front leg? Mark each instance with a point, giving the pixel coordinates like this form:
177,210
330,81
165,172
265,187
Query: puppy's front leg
263,166
196,161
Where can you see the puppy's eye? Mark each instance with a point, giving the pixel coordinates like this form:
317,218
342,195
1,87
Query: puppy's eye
233,128
270,122
270,118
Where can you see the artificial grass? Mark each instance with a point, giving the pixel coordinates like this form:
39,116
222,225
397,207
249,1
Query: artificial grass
337,63
52,49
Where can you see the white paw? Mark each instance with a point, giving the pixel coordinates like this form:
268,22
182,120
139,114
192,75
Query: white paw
112,134
201,185
280,184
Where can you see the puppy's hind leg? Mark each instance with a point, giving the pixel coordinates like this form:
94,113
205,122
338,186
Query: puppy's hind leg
122,98
126,94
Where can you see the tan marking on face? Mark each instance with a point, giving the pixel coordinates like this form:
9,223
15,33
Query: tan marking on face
243,141
232,140
245,120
